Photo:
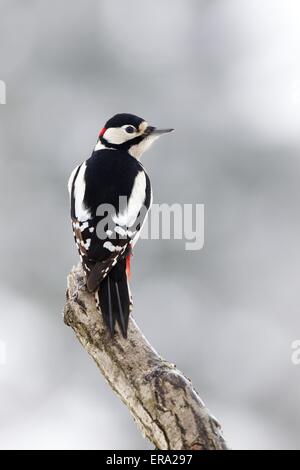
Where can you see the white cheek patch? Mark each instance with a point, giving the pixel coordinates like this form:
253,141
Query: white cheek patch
116,135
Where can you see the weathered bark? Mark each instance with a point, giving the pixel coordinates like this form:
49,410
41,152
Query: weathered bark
161,399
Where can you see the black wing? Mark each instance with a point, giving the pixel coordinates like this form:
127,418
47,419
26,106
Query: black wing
103,238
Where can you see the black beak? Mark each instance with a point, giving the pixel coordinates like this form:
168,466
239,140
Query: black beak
155,131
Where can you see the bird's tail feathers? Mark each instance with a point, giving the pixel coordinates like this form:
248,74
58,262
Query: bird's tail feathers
114,299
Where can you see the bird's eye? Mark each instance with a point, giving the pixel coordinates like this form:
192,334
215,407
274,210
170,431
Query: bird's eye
130,129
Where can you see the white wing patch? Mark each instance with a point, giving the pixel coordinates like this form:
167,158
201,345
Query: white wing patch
71,179
81,212
120,231
137,234
135,202
109,246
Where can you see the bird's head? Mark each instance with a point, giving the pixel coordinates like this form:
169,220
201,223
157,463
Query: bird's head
129,133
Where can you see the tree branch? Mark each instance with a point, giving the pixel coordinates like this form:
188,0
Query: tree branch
161,399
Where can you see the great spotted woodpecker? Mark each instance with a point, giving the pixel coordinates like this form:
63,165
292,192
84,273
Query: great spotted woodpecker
110,197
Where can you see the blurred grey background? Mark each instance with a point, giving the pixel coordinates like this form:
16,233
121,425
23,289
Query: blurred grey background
226,75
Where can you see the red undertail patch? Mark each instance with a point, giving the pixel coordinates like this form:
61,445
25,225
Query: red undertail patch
128,272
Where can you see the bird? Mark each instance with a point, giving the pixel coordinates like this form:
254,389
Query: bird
110,197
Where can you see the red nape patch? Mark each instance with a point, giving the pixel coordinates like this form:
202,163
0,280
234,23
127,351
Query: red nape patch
102,132
128,272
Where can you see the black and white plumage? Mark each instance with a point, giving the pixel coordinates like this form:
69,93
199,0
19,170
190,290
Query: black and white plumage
110,196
